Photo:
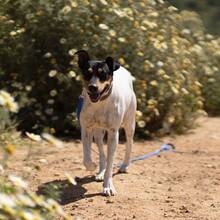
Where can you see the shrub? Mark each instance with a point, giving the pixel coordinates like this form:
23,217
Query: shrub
145,36
16,200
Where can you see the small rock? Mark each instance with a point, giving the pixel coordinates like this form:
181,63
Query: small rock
43,161
212,205
109,201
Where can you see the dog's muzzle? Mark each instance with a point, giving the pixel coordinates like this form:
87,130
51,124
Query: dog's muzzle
95,96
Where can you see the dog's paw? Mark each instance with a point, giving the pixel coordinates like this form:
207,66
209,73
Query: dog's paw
90,166
109,190
123,168
100,176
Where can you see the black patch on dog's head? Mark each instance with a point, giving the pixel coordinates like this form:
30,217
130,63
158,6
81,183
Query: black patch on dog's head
102,69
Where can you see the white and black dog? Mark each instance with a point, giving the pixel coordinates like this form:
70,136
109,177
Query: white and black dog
109,103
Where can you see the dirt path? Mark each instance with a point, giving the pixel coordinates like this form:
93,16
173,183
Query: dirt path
180,185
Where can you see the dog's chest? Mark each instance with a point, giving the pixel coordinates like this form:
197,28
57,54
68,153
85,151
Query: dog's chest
103,117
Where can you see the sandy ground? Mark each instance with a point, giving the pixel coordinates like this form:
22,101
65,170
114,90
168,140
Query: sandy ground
175,185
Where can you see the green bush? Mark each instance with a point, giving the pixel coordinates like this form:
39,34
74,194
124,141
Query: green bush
40,37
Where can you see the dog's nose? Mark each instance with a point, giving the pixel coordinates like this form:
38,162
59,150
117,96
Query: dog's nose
93,88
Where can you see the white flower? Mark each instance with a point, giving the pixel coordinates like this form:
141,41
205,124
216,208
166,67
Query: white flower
103,2
66,9
33,137
13,33
52,73
27,215
28,88
6,200
103,26
18,181
186,31
2,101
72,74
47,55
71,179
112,33
72,52
50,101
1,169
52,140
172,8
121,39
53,93
25,200
160,63
141,124
63,40
7,101
49,111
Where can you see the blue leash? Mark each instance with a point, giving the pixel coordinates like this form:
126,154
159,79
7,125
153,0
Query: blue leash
79,107
165,147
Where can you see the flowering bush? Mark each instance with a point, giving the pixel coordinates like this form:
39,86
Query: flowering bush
16,200
153,40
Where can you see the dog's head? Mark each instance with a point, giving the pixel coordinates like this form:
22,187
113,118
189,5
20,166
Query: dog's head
97,75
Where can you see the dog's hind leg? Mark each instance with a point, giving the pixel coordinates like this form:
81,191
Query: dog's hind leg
129,126
98,137
87,137
129,130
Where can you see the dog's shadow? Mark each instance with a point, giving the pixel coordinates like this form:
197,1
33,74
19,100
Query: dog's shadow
64,192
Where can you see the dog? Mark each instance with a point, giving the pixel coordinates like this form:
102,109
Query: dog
109,103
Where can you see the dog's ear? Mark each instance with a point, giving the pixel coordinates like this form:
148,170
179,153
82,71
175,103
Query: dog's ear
83,59
112,64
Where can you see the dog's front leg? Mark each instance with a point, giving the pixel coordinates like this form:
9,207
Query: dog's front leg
109,188
98,137
87,142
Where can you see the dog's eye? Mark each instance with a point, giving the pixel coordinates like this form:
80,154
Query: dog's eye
103,77
87,76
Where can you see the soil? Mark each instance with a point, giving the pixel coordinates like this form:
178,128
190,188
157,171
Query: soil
184,184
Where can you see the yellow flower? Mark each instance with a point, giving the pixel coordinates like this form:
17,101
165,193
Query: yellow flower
141,54
10,148
174,90
121,61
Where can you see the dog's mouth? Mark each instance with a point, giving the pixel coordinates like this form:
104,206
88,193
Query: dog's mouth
94,97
